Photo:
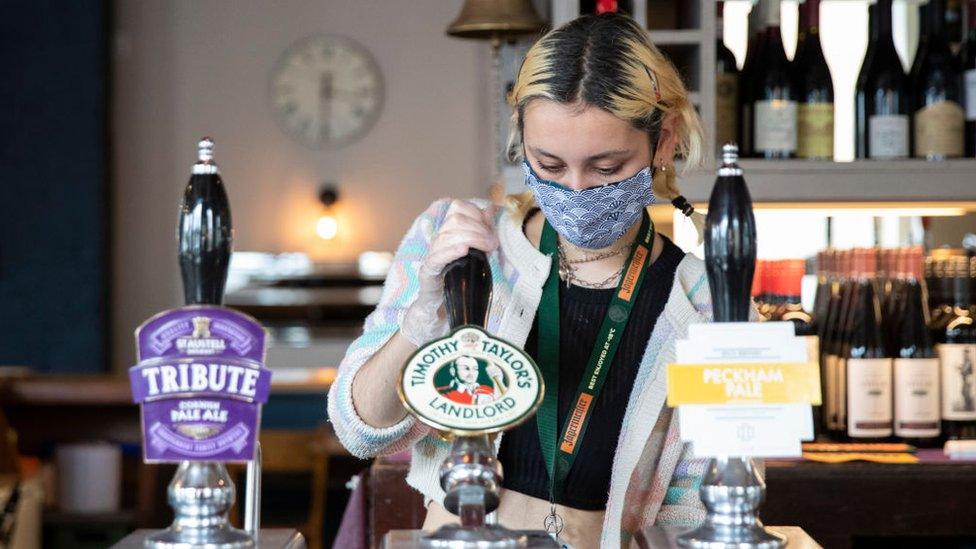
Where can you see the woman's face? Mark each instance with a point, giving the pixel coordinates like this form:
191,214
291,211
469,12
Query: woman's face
581,148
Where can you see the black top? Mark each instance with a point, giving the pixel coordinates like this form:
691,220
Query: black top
581,313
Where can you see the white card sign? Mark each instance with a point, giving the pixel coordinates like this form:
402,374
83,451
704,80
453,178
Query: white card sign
746,430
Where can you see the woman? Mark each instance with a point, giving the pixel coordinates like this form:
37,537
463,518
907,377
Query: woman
598,114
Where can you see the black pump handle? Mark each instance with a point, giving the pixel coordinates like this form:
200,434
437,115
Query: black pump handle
467,289
730,242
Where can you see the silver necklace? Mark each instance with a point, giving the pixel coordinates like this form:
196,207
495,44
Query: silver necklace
567,269
590,258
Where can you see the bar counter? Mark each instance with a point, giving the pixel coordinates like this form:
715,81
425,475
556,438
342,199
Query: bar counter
839,505
930,503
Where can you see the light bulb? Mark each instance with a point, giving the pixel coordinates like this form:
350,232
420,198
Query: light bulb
327,227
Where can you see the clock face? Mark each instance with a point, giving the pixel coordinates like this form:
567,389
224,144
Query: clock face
326,91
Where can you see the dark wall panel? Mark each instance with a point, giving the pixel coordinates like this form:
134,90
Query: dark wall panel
54,185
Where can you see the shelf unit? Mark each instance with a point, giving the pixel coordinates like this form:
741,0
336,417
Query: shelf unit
860,181
692,50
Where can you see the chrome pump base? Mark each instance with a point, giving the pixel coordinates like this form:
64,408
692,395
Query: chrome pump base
732,493
201,494
471,476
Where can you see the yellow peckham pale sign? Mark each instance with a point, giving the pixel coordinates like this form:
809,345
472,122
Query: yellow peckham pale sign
744,383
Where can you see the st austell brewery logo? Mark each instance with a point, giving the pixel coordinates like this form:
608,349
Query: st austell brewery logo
470,382
200,342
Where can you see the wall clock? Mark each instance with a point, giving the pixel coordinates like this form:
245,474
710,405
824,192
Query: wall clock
326,91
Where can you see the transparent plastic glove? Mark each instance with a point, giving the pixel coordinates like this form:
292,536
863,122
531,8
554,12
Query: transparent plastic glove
465,226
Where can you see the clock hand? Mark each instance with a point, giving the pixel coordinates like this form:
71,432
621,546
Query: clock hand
326,95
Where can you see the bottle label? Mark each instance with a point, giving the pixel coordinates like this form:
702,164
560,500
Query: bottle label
726,105
816,130
916,397
869,397
958,385
939,130
970,84
888,136
775,125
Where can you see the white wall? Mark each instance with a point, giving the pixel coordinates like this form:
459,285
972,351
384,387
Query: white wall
184,69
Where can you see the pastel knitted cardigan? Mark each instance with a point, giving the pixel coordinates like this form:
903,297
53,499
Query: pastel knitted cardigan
654,478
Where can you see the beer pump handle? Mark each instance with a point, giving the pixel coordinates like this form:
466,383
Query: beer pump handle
204,234
471,474
731,490
202,491
467,289
730,241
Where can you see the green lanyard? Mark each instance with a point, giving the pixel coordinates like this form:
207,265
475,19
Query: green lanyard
618,313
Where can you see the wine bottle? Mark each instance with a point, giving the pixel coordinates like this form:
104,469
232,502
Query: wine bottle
958,355
756,39
869,369
938,116
881,103
968,56
835,364
726,88
916,366
892,279
829,295
814,88
821,303
844,343
774,106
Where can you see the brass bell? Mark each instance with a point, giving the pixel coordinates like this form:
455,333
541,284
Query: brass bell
495,19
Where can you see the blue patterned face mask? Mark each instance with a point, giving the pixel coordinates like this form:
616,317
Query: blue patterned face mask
595,217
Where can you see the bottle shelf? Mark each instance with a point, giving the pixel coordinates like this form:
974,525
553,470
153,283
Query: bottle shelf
807,181
690,44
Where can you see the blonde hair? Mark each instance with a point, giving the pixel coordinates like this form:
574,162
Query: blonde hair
609,62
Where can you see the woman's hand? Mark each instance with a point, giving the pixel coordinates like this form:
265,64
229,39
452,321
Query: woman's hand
465,227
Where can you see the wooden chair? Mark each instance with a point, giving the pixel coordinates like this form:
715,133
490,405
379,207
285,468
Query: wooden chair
300,451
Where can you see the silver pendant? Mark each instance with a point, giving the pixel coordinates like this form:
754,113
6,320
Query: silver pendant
553,523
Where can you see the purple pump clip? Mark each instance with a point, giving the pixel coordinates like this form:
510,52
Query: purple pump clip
201,381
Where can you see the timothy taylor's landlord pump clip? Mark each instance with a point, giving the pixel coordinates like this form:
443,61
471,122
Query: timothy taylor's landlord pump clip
201,381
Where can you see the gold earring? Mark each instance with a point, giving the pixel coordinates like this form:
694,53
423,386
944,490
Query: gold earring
662,168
